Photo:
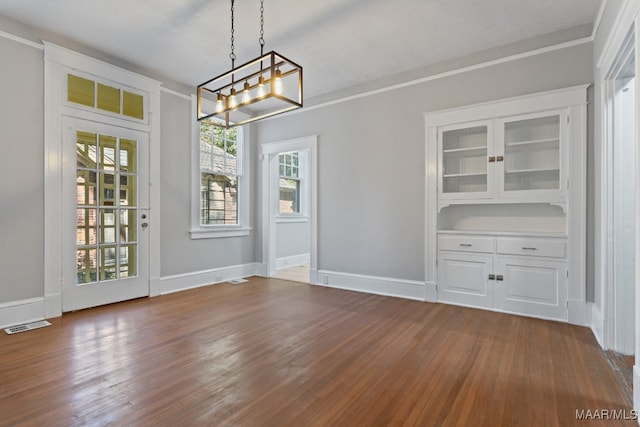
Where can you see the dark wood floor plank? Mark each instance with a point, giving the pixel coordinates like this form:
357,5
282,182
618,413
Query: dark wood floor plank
279,353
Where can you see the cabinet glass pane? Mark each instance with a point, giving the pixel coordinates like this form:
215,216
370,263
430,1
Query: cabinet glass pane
464,160
532,154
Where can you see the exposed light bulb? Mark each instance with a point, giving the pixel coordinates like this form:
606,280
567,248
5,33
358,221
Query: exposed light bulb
278,82
246,94
233,99
261,92
219,104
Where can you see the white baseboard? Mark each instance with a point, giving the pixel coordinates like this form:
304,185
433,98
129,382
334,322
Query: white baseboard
23,311
597,324
182,282
371,284
292,261
578,312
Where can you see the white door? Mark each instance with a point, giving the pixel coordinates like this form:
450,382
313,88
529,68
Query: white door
465,279
105,214
532,287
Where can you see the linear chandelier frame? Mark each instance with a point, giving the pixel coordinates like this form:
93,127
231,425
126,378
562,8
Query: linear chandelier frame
271,84
265,68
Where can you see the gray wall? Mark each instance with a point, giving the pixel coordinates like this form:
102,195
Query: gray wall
22,171
371,158
179,253
292,238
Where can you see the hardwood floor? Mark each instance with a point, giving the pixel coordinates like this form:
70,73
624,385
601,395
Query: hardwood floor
299,273
277,353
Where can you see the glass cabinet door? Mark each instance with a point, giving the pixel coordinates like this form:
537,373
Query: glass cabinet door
532,154
463,161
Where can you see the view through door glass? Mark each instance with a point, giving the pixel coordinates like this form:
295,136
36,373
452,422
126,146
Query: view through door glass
106,182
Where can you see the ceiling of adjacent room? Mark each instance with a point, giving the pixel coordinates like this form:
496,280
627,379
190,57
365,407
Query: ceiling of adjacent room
340,43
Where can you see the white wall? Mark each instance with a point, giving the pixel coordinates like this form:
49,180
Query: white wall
371,158
22,172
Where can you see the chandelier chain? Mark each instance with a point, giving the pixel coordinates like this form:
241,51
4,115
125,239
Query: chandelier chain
261,39
232,55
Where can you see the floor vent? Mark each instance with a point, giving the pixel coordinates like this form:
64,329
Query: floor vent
26,327
237,281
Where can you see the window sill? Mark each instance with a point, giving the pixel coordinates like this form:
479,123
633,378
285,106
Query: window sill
291,218
219,232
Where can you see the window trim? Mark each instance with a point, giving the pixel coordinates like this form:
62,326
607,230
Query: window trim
212,231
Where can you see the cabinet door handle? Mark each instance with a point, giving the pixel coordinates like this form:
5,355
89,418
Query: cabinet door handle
492,159
525,248
499,277
465,245
492,277
499,158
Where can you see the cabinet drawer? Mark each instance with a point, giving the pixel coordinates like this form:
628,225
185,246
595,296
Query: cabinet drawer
466,243
532,246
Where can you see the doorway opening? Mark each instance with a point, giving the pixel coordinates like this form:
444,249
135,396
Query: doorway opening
289,208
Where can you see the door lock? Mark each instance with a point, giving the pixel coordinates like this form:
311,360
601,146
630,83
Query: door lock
144,224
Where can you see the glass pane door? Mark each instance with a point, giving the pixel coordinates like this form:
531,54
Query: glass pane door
106,238
532,154
463,165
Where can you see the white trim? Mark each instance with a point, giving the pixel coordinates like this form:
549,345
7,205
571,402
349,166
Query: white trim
175,93
506,107
620,28
57,62
409,289
636,386
212,232
268,155
597,324
598,20
21,40
243,228
23,311
446,74
292,261
197,279
282,219
578,312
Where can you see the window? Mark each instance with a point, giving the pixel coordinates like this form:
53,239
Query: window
289,183
107,98
218,175
220,192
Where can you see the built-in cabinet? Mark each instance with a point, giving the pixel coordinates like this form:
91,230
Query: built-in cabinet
505,205
526,275
504,158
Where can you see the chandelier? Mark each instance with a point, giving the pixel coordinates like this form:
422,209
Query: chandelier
263,87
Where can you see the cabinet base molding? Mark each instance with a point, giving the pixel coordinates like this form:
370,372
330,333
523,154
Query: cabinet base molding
498,310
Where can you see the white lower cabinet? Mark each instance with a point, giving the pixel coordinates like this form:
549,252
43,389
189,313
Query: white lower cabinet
521,275
463,279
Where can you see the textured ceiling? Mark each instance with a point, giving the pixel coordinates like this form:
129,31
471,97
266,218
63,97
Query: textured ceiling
339,43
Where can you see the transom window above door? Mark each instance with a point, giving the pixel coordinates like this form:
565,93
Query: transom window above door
106,98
